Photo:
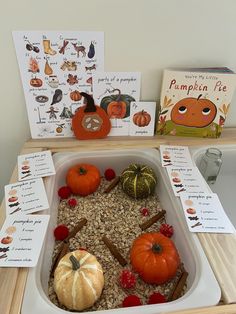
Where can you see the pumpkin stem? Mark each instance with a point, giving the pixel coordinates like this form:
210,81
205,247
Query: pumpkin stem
75,263
82,170
119,93
156,248
199,96
89,102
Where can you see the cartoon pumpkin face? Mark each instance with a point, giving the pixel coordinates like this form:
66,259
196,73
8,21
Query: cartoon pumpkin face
193,112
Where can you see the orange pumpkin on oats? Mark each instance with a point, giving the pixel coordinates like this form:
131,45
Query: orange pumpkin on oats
194,112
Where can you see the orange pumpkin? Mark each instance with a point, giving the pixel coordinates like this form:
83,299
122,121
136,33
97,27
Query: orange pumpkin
154,257
141,118
75,95
83,179
90,121
117,109
194,112
36,82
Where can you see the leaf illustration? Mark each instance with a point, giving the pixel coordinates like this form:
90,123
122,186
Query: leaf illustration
163,112
165,101
221,110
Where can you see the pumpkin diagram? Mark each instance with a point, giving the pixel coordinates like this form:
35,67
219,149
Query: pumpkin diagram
78,280
154,257
138,181
117,106
83,179
90,121
141,118
194,112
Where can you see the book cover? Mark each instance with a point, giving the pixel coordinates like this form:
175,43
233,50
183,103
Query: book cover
195,102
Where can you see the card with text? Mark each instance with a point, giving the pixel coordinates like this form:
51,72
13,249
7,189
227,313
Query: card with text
35,165
21,240
177,156
25,197
204,213
142,118
187,180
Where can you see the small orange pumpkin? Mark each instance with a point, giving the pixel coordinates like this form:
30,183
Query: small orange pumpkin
90,121
83,179
36,82
75,95
141,118
154,257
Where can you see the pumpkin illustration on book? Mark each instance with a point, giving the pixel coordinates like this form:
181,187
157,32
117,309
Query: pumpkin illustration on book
194,112
78,280
138,181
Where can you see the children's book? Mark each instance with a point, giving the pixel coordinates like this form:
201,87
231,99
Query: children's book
195,102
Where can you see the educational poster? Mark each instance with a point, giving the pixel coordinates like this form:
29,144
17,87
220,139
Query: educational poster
114,92
55,67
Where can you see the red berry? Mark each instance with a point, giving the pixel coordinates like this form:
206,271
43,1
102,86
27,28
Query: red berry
127,279
144,211
167,230
64,192
61,232
131,300
72,202
109,174
156,297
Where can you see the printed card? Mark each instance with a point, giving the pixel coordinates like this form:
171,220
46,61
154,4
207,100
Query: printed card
114,91
204,213
142,118
35,165
25,197
187,180
176,156
21,240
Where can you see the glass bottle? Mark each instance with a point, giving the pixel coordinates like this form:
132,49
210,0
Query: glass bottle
210,164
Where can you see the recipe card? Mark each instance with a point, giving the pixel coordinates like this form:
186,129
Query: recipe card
187,180
25,197
21,240
177,156
35,165
204,213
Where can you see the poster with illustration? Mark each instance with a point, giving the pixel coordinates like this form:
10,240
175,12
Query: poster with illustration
55,67
195,102
142,118
114,91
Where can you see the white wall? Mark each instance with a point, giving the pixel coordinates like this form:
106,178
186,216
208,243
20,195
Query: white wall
140,35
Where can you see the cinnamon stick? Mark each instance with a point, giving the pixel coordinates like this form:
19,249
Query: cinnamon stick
114,251
64,250
152,220
178,288
64,247
112,185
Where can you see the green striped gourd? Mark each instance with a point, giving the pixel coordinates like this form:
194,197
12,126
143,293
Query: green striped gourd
138,181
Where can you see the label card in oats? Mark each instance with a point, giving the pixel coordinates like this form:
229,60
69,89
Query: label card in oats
177,156
21,240
25,197
204,213
35,165
187,180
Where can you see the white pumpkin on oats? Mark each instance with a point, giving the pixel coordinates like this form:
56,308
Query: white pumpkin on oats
78,280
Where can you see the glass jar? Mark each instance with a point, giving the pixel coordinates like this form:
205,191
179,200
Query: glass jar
210,164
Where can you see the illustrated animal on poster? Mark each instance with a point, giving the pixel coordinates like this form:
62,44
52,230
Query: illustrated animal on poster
194,112
79,49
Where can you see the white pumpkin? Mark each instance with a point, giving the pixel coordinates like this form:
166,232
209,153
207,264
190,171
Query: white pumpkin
78,280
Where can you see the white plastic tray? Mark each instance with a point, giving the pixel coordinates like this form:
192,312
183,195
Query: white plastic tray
202,287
